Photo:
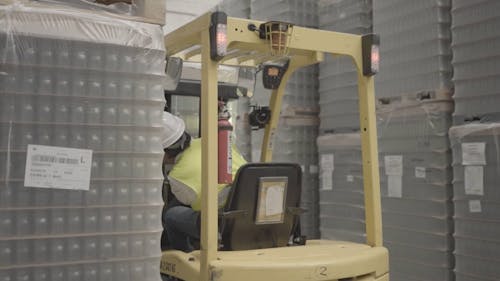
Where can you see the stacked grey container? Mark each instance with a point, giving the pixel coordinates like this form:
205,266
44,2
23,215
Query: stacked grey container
415,46
477,201
475,139
341,197
413,88
235,8
476,57
299,12
294,142
297,130
338,80
416,188
76,80
301,95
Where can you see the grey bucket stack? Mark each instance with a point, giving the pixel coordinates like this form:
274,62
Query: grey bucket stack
84,82
299,12
341,199
294,142
416,187
476,56
414,111
301,94
235,8
415,46
295,138
476,168
339,146
475,139
338,86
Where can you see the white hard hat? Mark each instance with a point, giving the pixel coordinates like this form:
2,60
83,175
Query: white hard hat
173,128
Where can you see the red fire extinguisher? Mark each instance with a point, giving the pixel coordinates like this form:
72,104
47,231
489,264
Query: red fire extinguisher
224,146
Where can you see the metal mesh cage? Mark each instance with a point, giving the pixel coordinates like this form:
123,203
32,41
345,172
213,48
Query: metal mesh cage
278,34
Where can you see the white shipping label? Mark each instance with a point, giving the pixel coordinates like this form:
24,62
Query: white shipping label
326,180
393,165
473,153
475,206
474,180
420,172
58,167
395,186
327,162
350,178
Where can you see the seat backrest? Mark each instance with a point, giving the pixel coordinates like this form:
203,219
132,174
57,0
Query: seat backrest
261,207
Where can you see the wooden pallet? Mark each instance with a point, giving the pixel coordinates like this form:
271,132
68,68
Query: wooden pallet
300,121
149,11
299,111
440,94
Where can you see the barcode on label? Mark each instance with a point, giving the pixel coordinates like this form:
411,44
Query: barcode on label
44,158
53,159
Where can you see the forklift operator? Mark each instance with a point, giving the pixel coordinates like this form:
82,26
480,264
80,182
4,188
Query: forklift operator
182,169
179,220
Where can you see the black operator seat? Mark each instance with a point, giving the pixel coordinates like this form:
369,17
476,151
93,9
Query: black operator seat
262,210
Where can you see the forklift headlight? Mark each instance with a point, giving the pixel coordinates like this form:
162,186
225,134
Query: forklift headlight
371,54
218,36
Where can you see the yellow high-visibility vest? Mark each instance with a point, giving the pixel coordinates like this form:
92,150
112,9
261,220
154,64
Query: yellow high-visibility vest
185,176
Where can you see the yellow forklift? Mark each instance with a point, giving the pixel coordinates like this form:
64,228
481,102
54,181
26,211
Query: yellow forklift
253,236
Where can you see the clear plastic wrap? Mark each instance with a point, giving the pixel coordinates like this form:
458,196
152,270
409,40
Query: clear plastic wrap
80,81
476,167
416,184
117,7
226,74
152,11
